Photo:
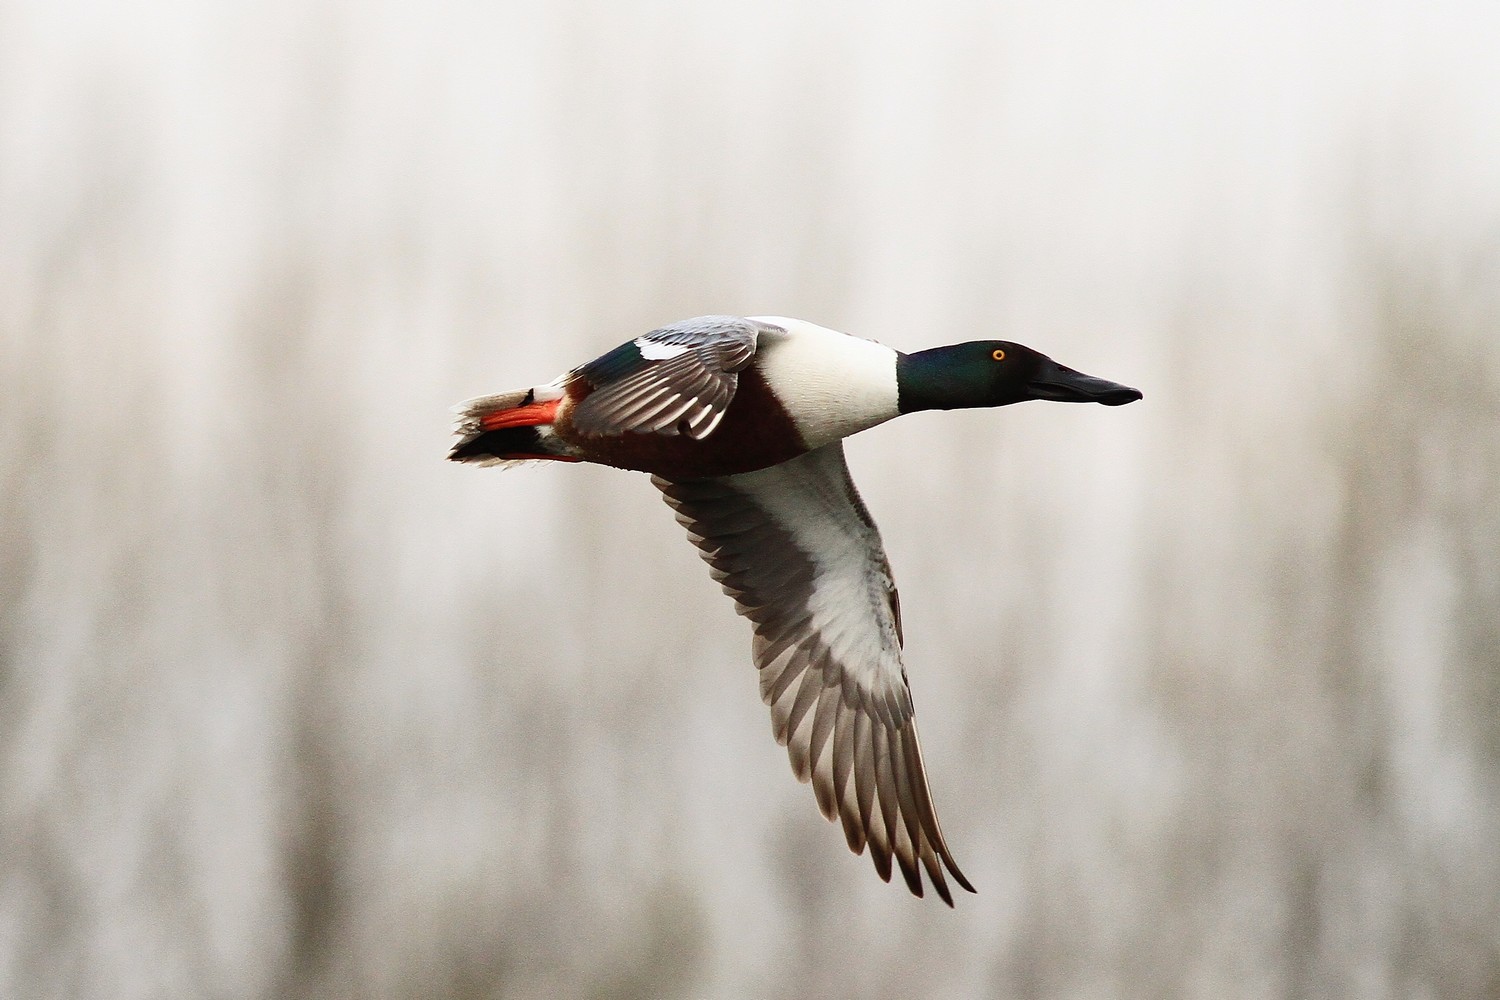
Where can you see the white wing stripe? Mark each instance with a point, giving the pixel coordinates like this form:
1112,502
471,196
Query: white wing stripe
655,350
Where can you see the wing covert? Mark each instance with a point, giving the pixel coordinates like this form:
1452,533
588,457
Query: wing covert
675,380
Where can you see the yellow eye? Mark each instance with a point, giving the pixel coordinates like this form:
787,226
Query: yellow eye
998,354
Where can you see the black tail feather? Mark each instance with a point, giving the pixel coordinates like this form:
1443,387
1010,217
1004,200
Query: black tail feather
508,444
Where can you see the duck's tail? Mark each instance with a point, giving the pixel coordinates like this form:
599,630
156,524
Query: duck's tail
509,427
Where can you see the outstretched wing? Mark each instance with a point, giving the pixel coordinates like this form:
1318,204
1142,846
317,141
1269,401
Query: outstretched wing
676,380
795,547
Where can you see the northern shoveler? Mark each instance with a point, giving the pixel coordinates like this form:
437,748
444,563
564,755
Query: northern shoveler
740,423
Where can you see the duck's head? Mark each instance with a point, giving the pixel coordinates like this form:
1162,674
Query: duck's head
995,373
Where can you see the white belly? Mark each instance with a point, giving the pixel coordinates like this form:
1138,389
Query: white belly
833,385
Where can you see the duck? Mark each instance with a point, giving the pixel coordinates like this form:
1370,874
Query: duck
740,421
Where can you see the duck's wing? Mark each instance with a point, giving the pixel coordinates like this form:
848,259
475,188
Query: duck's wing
797,550
676,380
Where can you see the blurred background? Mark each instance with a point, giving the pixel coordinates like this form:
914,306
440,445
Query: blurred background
1209,685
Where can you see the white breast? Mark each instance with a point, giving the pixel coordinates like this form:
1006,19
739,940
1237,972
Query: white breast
831,384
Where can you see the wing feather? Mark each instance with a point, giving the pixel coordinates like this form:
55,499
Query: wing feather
797,550
675,380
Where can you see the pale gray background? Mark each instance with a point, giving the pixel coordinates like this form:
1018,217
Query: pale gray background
1209,685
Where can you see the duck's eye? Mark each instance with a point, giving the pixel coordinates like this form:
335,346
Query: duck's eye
998,354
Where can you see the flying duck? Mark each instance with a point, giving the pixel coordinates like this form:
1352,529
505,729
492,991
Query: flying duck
740,423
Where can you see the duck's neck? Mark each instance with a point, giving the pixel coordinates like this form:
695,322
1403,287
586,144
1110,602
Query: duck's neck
930,380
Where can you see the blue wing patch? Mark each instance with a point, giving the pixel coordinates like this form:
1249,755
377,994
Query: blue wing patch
675,380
